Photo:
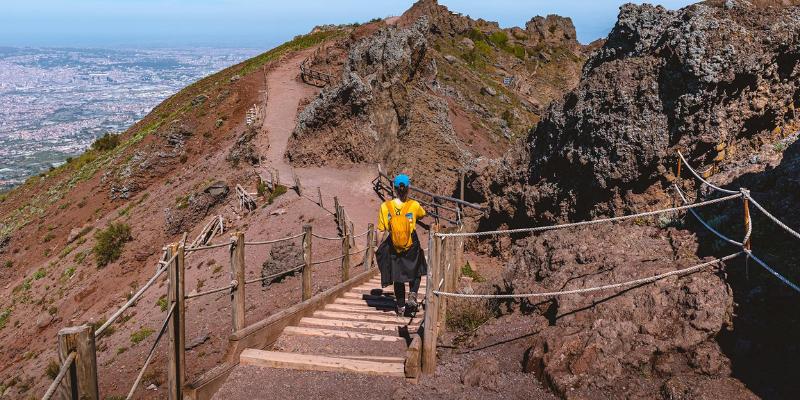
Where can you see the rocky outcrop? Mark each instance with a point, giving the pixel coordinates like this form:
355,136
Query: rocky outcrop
628,342
715,82
380,107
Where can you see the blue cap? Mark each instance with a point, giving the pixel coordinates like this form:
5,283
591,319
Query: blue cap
402,179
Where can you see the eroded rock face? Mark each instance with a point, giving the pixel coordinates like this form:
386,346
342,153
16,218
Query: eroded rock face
380,106
711,81
621,341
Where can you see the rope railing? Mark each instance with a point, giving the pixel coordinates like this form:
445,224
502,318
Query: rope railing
299,235
62,372
328,260
700,178
772,271
361,234
772,217
326,237
590,222
211,291
634,282
704,223
276,275
133,299
208,247
151,352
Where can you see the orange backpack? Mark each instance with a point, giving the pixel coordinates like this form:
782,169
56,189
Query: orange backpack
400,226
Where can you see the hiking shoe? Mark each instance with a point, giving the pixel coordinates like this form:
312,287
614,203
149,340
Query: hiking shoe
400,311
412,301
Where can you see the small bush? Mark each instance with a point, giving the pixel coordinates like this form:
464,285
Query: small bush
80,257
68,273
467,270
261,188
140,335
162,303
466,316
48,237
182,202
106,142
4,316
122,350
52,369
499,38
8,264
39,274
110,243
779,147
279,190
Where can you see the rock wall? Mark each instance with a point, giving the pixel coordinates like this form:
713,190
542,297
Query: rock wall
716,82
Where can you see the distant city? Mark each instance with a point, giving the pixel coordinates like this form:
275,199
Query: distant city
54,102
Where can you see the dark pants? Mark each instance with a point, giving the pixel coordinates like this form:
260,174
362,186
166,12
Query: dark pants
400,290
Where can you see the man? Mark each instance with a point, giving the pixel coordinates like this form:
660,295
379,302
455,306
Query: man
400,257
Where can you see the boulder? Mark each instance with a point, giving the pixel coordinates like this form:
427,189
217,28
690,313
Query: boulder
481,372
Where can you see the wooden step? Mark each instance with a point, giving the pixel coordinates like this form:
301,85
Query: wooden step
378,303
274,359
354,295
363,309
339,347
301,330
355,325
379,292
355,316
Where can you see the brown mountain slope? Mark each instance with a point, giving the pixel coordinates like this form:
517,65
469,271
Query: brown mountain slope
432,91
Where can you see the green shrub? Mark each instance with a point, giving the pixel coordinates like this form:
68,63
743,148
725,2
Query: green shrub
140,335
80,257
8,264
499,38
162,303
52,369
467,270
278,191
39,274
110,242
106,142
182,202
50,236
467,315
261,188
68,273
4,316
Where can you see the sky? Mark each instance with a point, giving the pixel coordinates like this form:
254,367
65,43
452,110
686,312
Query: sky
253,24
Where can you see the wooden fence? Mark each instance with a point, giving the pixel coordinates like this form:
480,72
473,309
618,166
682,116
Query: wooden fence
77,378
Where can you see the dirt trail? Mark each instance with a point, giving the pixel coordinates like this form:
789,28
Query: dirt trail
352,185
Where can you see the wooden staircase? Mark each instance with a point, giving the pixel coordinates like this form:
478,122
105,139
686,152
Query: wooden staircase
358,332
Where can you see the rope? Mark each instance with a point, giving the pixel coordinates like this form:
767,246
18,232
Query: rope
362,234
591,289
275,240
328,260
273,276
703,222
152,351
705,182
772,271
772,217
325,237
209,247
133,299
60,377
210,291
592,222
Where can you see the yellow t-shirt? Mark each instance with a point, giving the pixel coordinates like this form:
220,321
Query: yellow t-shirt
414,209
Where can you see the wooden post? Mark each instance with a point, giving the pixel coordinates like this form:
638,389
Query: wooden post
461,184
346,258
446,268
678,172
176,374
237,276
430,333
336,212
81,382
277,177
272,180
369,253
746,204
297,185
319,193
306,262
352,232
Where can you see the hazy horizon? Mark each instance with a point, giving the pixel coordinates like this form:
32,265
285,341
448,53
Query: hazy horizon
238,24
